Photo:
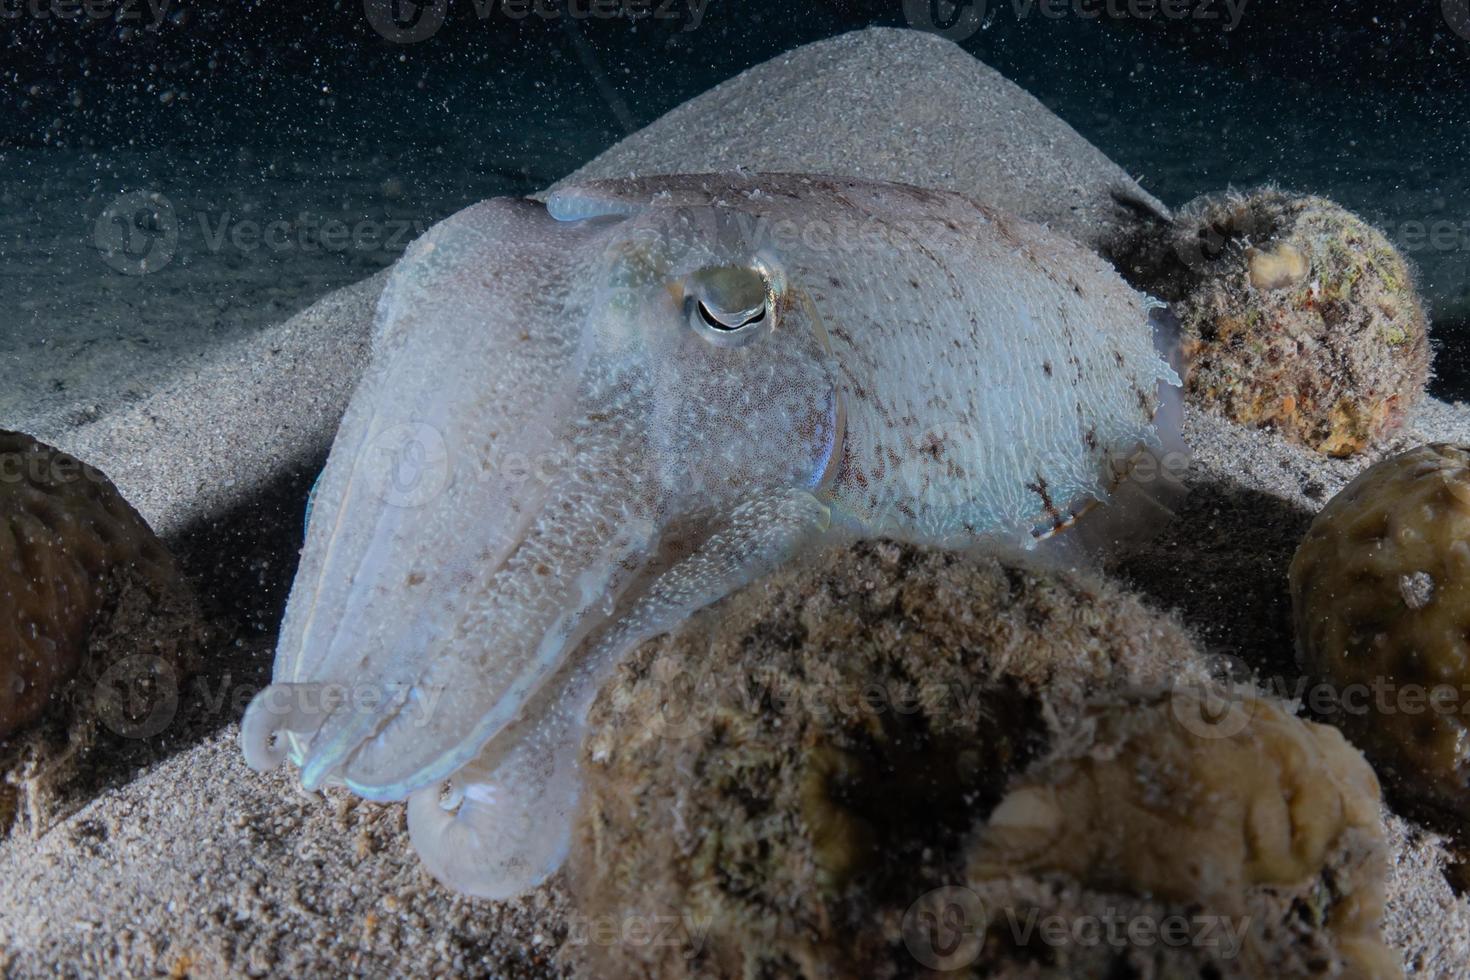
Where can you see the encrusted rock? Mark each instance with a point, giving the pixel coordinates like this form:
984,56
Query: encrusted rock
1295,314
784,776
94,610
1381,596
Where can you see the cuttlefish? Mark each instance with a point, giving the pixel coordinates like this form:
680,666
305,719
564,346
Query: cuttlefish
586,419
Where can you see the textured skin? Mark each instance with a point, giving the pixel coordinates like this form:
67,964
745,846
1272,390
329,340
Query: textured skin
553,457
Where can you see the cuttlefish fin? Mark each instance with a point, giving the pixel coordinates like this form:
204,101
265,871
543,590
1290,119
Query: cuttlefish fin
504,822
631,195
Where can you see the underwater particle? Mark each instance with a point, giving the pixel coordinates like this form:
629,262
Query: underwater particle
1294,313
1380,589
1269,822
786,773
91,597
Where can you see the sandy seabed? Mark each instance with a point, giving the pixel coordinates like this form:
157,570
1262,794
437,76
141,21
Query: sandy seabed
188,863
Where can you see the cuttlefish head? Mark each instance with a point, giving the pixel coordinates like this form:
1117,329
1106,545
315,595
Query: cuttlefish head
581,421
731,354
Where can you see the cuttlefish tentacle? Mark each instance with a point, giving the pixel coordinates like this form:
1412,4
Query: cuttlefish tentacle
506,818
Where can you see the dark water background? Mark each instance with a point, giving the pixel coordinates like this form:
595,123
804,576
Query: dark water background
249,112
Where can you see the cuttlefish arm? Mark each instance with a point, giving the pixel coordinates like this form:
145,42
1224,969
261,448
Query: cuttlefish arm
453,480
504,821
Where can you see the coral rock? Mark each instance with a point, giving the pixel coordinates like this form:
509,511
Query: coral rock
814,749
1244,812
82,580
1381,595
1295,313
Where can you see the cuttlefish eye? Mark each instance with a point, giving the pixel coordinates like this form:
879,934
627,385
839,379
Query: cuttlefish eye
729,304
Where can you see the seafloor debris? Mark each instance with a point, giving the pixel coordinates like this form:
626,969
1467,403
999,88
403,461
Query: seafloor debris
787,781
1295,313
94,610
1381,592
1238,809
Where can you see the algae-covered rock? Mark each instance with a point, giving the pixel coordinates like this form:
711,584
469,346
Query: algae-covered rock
1381,597
1295,313
780,780
1238,811
92,602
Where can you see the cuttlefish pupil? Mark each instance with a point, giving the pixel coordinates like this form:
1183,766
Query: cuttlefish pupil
728,300
721,320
